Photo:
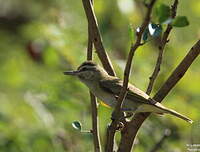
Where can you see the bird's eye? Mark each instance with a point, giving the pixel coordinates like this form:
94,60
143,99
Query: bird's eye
84,69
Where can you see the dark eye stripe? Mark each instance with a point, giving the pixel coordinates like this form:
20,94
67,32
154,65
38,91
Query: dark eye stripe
84,69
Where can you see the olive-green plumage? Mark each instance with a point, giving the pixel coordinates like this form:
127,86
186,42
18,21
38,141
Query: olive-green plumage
107,89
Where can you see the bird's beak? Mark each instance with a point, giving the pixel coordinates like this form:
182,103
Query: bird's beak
70,72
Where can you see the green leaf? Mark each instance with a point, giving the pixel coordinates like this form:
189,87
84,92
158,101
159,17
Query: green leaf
77,125
157,32
145,34
163,12
180,21
155,29
168,21
131,33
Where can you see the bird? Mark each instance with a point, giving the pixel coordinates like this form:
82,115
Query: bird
107,88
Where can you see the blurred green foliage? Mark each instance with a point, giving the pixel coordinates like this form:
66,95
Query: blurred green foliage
41,39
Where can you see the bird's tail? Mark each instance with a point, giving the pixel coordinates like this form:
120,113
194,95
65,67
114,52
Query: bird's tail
160,109
173,112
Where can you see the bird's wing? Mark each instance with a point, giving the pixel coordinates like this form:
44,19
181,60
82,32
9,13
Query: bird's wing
114,85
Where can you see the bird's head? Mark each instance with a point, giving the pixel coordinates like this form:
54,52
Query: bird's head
88,71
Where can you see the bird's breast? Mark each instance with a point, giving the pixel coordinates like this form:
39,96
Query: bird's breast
106,97
109,98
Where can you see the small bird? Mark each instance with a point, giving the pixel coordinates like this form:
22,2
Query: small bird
107,88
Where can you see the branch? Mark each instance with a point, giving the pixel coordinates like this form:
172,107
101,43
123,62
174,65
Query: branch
161,48
130,131
90,44
95,124
96,37
117,111
178,73
158,145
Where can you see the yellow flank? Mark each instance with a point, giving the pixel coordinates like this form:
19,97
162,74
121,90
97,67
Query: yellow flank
104,104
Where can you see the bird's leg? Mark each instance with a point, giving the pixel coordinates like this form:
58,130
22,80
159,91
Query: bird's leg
126,115
115,115
123,115
119,117
120,126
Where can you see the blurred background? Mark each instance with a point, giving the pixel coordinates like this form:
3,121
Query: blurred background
41,39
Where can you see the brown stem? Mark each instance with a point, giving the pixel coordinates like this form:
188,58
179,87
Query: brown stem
117,111
161,48
95,124
130,131
90,44
159,144
96,37
178,72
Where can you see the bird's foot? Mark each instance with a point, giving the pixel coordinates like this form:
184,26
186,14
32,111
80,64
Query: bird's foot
128,115
120,126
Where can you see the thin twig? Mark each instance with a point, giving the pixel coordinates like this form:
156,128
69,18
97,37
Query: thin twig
95,124
96,37
137,120
90,44
130,131
178,72
117,111
159,144
161,47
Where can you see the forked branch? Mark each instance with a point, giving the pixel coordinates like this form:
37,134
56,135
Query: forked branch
130,131
161,48
117,111
96,37
94,105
